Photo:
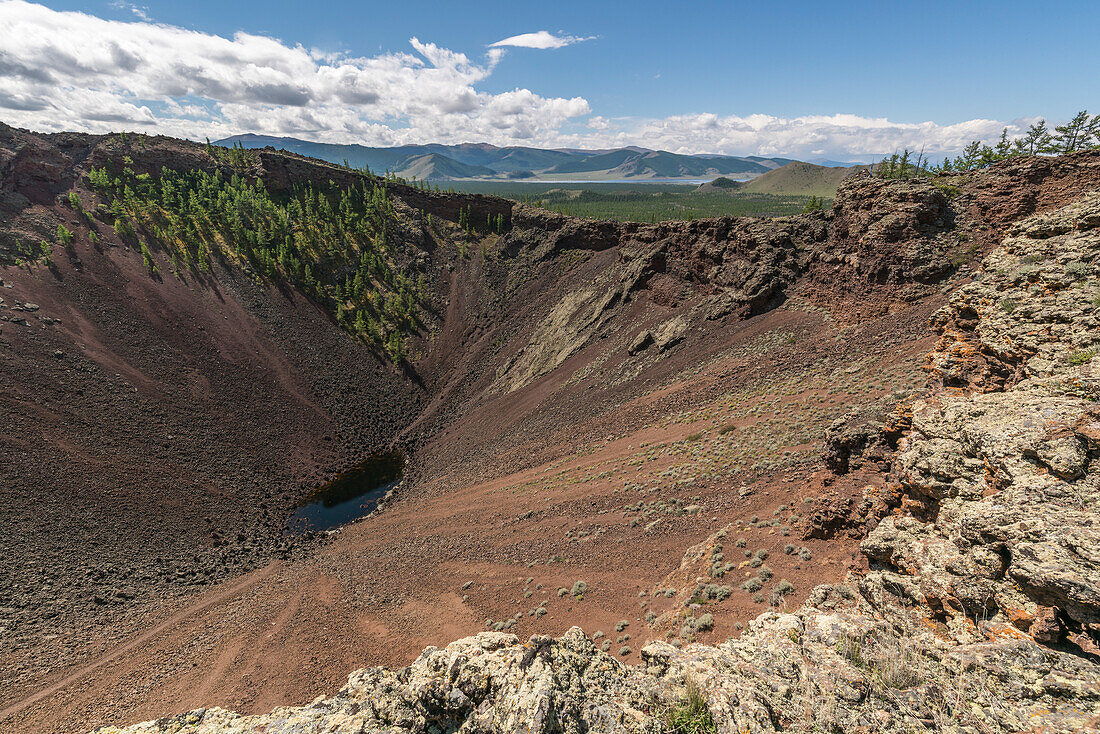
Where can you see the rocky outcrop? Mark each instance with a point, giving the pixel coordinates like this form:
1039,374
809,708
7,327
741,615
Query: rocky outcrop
1007,480
1034,308
838,664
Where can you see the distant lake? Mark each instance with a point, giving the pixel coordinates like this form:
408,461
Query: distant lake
686,181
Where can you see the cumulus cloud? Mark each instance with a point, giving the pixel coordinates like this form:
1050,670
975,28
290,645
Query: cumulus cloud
539,39
70,70
835,136
75,71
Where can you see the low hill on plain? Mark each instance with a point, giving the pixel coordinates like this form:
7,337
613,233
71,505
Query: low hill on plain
801,179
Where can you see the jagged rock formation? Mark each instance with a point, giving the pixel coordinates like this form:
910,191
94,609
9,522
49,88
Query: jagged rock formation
981,608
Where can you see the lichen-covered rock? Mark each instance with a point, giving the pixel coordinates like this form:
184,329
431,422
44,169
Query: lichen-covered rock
1010,479
1035,307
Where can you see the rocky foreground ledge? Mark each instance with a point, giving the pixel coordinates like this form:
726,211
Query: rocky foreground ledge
981,611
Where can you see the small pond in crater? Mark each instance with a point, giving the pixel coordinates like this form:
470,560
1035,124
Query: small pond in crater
352,494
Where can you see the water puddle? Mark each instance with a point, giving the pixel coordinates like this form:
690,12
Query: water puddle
351,495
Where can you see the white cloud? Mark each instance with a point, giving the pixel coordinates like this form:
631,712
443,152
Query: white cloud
539,39
74,71
834,136
141,11
155,77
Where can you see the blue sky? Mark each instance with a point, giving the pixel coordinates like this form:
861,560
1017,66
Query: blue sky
832,79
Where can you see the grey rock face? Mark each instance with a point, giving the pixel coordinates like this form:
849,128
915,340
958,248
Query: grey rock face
1011,479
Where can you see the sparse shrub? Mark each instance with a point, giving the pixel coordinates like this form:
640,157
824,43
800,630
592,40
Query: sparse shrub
624,650
947,189
562,591
578,589
784,586
761,554
758,598
1008,305
789,549
621,625
1077,269
598,635
741,543
606,645
765,572
805,554
1080,357
717,592
690,715
752,585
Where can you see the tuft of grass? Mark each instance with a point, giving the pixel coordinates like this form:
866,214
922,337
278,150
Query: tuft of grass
851,649
690,715
1080,357
947,189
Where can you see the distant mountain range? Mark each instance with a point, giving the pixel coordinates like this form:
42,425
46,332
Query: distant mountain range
435,162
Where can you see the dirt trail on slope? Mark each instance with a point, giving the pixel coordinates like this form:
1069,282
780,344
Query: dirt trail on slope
213,599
